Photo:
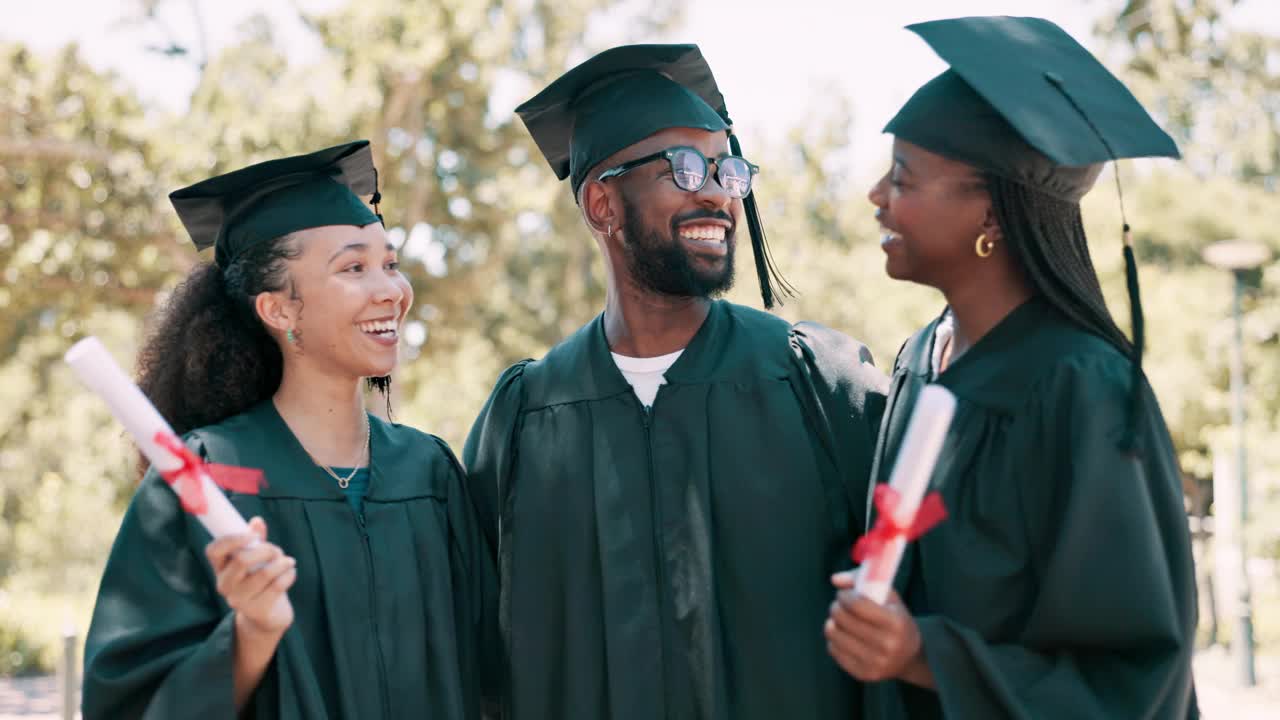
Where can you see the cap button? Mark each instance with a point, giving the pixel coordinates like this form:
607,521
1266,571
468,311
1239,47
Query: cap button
1053,77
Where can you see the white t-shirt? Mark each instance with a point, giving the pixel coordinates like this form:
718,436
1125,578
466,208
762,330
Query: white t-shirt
646,375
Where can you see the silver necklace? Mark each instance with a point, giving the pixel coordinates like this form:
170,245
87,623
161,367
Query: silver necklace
343,482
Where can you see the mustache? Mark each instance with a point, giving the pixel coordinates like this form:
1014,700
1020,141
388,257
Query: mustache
705,215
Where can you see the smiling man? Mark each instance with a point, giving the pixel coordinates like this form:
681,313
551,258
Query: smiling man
670,488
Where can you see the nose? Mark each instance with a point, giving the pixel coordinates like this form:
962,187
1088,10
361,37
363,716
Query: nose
391,288
878,194
713,195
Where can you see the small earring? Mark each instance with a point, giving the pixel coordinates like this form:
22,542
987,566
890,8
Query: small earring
609,233
983,247
288,335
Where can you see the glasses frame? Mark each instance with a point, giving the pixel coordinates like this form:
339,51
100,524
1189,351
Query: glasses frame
669,155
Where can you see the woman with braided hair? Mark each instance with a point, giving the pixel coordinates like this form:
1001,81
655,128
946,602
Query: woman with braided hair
1061,582
367,597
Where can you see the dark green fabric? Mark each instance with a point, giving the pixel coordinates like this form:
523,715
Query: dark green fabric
1061,585
356,488
616,99
237,210
1024,100
389,613
674,563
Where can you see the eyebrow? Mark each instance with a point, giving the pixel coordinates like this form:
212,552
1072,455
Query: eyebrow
902,162
358,246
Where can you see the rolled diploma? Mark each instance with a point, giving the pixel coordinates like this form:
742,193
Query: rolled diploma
911,473
98,370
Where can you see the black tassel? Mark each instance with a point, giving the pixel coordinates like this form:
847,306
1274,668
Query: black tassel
766,271
1139,340
377,198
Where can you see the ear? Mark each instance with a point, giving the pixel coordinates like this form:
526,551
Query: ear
991,227
276,311
597,208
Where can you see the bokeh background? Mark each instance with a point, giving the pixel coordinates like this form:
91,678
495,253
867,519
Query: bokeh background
105,107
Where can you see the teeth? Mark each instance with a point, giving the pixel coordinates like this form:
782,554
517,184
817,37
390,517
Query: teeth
377,326
703,232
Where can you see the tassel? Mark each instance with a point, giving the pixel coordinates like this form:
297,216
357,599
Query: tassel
766,270
377,198
1139,331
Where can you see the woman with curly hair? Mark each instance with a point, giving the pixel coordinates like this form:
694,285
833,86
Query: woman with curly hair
370,597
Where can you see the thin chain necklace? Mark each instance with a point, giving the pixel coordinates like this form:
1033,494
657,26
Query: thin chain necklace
343,482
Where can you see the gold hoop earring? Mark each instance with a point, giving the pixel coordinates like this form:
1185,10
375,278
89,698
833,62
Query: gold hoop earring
983,247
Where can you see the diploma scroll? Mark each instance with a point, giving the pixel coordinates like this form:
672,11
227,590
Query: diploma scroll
189,478
902,504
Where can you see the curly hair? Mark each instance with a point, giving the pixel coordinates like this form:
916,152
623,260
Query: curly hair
208,355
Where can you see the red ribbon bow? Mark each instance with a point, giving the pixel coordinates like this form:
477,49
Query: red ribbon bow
185,479
886,530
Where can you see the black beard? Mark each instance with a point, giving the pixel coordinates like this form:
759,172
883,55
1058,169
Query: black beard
660,263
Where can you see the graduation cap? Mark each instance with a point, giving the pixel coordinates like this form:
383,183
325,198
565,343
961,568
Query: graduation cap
1025,101
237,210
624,95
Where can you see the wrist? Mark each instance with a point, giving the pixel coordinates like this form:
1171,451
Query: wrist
917,671
249,631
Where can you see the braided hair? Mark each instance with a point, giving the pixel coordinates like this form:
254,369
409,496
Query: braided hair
1047,237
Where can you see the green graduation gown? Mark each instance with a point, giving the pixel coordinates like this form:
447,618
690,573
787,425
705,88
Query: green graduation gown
388,606
674,563
1061,585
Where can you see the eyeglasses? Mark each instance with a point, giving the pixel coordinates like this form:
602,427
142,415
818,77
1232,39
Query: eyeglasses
689,170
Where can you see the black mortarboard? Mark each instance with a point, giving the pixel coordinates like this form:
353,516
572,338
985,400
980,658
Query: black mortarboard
237,210
624,95
1025,101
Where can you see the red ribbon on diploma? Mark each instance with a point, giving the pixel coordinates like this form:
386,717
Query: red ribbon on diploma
886,530
185,479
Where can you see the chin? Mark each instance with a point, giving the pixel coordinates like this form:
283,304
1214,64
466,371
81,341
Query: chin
895,270
379,371
371,367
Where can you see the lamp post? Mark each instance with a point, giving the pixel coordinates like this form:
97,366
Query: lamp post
1238,257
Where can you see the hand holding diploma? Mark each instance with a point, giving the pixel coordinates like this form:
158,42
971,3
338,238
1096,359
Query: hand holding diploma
869,632
253,575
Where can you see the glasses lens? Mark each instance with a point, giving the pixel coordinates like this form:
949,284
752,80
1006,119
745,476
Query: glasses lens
734,175
689,169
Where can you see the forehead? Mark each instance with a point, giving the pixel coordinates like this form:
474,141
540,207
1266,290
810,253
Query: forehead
327,238
919,161
709,142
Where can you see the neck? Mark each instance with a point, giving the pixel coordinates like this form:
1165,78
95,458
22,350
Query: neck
978,307
641,323
325,413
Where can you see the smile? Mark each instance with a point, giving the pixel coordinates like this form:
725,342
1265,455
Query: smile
705,233
384,330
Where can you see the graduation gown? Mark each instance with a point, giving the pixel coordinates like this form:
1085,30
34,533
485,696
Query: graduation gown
674,563
1061,585
388,606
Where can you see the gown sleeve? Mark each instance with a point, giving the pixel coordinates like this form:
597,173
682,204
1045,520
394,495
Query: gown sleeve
475,575
490,448
160,645
844,393
1111,628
